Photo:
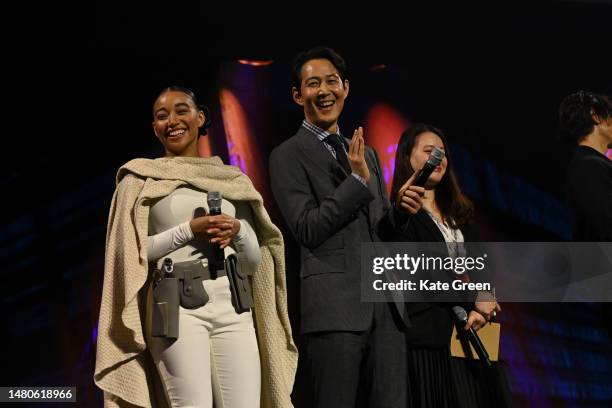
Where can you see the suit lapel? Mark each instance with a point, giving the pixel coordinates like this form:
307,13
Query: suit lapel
318,155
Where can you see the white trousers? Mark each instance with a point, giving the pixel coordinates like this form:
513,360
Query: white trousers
215,358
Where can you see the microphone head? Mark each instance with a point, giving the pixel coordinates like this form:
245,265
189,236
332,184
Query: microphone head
436,156
214,196
460,314
214,199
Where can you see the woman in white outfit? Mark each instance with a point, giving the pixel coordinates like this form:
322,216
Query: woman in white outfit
215,360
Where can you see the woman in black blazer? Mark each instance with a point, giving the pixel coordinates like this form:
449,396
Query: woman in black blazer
437,379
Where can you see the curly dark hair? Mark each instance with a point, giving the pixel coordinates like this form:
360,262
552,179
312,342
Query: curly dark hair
578,111
456,208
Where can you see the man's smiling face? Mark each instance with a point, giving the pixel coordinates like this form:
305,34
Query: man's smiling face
322,93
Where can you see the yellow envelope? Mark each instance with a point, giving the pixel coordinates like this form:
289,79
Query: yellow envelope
489,335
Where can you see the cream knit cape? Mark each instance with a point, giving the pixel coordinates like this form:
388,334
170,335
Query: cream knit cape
124,367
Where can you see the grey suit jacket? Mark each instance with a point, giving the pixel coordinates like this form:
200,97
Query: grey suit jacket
330,213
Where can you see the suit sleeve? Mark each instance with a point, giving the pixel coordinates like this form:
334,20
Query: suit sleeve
386,226
310,221
381,181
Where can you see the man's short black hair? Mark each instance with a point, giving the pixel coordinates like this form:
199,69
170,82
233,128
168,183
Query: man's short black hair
317,53
577,110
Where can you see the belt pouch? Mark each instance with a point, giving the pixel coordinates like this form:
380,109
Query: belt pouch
240,287
166,309
193,294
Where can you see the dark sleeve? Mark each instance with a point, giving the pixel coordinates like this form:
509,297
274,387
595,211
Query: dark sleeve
473,248
472,236
397,226
591,192
386,226
311,222
381,181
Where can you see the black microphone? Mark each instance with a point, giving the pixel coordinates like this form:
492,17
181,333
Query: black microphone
434,160
217,261
461,318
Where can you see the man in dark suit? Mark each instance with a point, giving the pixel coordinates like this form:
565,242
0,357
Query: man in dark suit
586,119
332,195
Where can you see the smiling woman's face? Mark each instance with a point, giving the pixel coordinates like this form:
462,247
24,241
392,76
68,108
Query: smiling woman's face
176,120
423,147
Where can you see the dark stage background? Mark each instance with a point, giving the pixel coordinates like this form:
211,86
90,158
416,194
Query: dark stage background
78,90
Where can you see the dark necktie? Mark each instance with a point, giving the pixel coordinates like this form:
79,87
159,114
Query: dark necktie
334,141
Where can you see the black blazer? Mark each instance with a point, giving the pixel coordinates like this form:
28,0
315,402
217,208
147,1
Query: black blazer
431,323
330,213
589,195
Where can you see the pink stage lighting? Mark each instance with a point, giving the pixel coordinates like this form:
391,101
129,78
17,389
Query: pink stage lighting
383,127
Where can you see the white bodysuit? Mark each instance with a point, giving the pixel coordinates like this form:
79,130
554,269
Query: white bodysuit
215,356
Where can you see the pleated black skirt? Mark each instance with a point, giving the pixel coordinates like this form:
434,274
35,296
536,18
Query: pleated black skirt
441,381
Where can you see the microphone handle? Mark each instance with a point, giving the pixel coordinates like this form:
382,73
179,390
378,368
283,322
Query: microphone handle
421,179
478,346
218,255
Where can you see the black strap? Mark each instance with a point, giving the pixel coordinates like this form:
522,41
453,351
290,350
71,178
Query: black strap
334,141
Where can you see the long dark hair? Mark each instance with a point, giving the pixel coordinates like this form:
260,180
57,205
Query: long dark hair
455,207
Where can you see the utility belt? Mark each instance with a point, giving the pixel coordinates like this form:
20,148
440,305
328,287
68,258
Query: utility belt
181,284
